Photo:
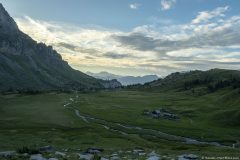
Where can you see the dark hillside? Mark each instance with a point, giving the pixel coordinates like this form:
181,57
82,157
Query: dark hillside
209,81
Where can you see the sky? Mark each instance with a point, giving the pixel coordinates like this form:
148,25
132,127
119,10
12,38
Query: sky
135,37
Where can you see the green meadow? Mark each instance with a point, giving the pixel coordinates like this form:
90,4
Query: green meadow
45,119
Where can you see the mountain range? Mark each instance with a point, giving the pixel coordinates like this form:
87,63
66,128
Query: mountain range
27,65
124,80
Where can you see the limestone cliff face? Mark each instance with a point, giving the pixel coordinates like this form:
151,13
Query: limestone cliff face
28,65
7,24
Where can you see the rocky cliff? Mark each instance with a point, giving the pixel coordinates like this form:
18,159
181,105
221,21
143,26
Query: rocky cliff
27,65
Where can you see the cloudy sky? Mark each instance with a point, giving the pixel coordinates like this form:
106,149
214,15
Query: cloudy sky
135,37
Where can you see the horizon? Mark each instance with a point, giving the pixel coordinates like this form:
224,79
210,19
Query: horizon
156,38
159,76
88,72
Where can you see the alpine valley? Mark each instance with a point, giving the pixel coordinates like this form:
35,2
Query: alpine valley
50,111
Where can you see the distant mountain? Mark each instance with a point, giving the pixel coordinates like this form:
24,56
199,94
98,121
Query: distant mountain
27,65
103,75
124,80
129,80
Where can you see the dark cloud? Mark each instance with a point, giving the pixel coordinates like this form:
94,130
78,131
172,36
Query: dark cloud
77,48
228,63
207,64
89,57
158,66
137,41
67,45
113,55
94,52
221,37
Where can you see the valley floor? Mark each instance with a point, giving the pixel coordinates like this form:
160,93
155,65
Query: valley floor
114,121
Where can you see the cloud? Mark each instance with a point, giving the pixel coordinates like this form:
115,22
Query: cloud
210,35
113,55
66,45
134,6
167,4
76,49
136,41
81,45
157,48
206,15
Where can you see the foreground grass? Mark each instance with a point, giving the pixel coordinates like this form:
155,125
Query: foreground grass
38,120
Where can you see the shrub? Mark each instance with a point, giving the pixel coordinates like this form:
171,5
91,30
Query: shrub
29,150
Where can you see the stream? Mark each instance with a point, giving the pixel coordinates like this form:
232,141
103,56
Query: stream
129,129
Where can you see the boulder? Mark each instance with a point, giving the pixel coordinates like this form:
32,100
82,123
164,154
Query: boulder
139,151
60,154
153,156
37,157
46,149
94,150
7,154
187,157
86,156
115,158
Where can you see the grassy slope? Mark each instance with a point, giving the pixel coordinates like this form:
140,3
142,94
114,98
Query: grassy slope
42,119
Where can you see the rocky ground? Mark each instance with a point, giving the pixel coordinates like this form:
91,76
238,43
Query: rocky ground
50,153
